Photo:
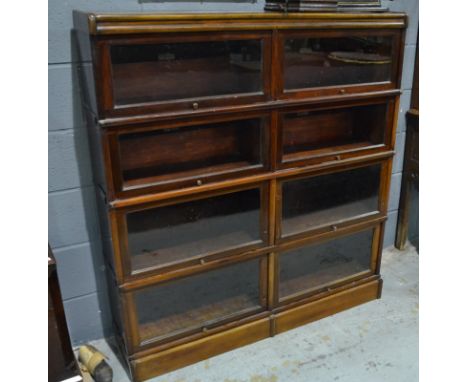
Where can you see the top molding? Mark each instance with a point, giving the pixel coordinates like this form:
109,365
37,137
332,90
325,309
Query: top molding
142,23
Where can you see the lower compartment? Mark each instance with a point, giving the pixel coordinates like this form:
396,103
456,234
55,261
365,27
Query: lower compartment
174,358
151,365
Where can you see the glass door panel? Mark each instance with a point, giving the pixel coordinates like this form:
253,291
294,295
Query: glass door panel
176,233
191,152
318,201
308,134
319,265
313,62
177,70
194,302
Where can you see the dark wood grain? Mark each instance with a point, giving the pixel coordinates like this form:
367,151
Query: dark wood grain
314,135
214,150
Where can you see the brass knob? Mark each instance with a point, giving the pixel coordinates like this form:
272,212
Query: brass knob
338,157
199,182
202,261
195,106
342,91
334,227
205,329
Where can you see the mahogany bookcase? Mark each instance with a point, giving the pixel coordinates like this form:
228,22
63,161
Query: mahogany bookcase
242,163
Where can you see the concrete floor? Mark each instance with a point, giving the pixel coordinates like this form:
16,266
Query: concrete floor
375,342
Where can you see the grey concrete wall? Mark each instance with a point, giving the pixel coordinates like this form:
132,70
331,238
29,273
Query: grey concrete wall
73,227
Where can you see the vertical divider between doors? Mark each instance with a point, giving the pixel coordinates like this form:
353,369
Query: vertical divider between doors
275,78
274,139
272,257
276,65
263,281
268,74
275,73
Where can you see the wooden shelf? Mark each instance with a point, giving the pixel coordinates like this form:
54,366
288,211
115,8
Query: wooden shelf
315,133
316,266
333,61
307,283
191,152
156,246
309,151
317,219
195,319
160,81
198,301
317,201
184,251
136,178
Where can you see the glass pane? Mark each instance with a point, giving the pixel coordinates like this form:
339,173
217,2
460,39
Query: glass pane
310,133
199,300
155,156
183,70
326,199
322,264
164,235
317,62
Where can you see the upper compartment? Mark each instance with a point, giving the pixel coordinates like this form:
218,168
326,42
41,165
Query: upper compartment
182,73
187,72
150,66
339,62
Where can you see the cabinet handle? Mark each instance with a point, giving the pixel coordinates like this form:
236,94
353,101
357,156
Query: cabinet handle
342,91
338,157
204,329
199,182
195,106
202,261
334,227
